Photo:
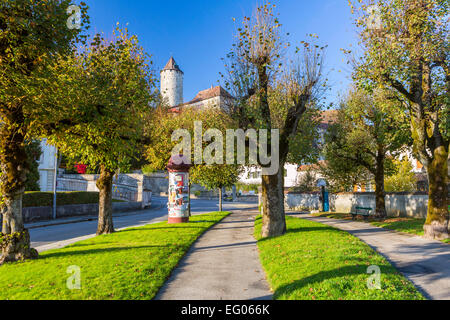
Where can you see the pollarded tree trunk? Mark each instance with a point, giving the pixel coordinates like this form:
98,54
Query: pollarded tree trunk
15,239
104,184
274,220
437,223
380,194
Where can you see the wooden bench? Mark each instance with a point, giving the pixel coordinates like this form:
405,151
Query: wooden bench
361,211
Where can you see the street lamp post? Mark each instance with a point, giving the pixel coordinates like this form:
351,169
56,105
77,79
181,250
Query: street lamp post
54,183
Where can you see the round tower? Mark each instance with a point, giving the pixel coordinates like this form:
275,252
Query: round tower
172,83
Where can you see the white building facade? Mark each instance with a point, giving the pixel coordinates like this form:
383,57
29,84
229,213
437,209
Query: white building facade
47,163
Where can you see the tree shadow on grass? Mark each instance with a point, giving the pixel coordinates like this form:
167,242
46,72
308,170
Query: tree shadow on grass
162,228
302,229
403,225
354,270
98,251
311,229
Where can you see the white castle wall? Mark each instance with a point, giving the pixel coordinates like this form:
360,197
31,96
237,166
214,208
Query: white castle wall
172,86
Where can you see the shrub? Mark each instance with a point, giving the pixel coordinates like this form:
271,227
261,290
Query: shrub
404,180
45,199
307,182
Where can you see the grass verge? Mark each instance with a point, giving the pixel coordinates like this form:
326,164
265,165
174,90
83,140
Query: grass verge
313,261
130,264
405,225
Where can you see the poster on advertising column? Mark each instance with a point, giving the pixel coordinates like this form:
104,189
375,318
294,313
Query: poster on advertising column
178,195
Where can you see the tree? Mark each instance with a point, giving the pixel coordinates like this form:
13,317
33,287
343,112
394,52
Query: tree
108,90
408,50
341,176
368,134
403,180
165,122
211,176
32,34
254,70
216,177
308,181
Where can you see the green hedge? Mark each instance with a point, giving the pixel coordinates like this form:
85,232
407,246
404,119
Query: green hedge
45,199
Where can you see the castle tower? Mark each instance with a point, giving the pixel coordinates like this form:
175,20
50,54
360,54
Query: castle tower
172,83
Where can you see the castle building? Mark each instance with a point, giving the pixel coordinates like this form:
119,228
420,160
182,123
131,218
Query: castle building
172,91
172,83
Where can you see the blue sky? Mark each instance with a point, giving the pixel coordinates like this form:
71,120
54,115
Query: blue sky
198,33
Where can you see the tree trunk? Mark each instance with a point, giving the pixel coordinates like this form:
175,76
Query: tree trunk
104,184
274,220
437,223
380,194
15,239
220,199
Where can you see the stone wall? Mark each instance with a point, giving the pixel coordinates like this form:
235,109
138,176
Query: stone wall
397,204
127,187
159,183
302,201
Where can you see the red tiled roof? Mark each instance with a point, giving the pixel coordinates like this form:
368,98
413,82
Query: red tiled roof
329,116
209,94
174,110
314,166
205,95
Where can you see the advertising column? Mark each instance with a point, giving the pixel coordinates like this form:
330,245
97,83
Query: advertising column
178,204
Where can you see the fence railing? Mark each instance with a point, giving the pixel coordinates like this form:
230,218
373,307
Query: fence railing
131,188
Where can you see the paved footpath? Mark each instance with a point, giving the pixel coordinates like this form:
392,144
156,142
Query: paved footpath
222,265
425,262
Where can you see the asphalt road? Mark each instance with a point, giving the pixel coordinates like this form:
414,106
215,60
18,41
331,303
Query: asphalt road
56,236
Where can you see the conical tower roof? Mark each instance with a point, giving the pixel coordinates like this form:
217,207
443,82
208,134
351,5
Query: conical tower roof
172,65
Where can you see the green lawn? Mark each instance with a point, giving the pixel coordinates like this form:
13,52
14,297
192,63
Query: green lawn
406,225
313,261
130,264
